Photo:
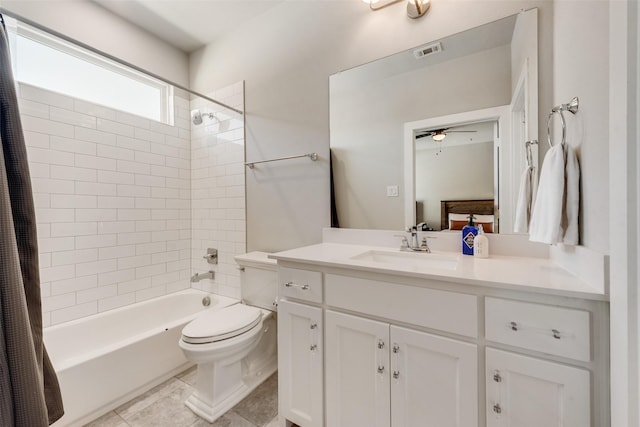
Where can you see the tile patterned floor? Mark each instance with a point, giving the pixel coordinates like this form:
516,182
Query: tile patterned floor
163,406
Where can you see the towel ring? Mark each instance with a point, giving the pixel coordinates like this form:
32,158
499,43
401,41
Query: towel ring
571,107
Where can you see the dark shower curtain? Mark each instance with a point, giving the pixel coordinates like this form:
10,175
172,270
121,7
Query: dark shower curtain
29,391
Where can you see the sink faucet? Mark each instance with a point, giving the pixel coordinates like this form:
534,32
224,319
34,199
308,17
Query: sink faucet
414,236
413,245
199,276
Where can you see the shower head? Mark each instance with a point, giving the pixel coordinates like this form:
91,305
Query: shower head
196,116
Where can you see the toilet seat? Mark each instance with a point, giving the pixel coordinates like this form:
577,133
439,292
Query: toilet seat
218,325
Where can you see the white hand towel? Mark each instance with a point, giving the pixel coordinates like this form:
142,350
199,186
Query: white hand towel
523,207
547,211
555,213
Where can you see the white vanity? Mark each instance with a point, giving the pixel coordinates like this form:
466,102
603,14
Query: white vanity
369,336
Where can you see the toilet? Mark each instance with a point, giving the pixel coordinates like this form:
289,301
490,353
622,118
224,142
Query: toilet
235,347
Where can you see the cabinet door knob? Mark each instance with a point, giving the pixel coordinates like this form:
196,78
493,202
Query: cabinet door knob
380,369
556,333
514,326
396,374
313,347
497,409
380,344
496,377
396,348
313,326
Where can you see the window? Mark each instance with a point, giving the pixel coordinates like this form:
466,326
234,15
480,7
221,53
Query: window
42,60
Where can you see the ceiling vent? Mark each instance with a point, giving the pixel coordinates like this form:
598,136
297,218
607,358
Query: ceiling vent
427,50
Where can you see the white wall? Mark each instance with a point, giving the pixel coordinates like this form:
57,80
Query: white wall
287,93
581,68
624,161
462,172
92,25
111,192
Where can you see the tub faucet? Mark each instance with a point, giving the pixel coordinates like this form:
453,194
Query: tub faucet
199,276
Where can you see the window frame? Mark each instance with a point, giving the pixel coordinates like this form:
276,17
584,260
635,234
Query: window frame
166,90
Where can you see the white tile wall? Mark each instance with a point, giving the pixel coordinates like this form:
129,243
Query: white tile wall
112,203
218,190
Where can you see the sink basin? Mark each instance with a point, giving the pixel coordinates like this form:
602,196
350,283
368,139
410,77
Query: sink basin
414,261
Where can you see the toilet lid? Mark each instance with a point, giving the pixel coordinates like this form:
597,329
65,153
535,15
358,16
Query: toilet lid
217,325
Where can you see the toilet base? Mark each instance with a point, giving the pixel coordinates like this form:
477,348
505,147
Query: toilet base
211,411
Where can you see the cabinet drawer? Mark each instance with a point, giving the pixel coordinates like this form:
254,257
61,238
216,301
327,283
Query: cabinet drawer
552,330
446,311
300,284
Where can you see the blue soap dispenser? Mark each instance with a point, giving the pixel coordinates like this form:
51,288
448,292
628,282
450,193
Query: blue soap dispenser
469,232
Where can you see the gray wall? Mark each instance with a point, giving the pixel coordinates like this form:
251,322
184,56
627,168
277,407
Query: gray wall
286,57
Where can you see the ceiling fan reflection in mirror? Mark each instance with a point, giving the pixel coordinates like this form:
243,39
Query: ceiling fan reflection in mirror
438,135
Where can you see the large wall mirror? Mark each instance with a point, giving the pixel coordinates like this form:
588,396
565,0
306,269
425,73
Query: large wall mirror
446,121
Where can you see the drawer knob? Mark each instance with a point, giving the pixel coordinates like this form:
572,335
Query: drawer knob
295,285
556,333
514,326
380,369
496,377
497,409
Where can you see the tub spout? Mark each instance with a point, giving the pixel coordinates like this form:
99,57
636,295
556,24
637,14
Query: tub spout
199,276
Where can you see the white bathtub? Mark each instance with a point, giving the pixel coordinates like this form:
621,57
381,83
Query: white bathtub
105,360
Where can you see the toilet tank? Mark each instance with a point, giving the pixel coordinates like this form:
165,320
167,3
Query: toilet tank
258,279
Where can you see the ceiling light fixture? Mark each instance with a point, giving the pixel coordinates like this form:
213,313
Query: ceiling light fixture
439,136
415,8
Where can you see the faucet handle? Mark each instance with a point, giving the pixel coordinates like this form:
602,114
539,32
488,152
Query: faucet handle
405,243
424,246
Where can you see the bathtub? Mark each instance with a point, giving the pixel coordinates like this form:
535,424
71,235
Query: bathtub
105,360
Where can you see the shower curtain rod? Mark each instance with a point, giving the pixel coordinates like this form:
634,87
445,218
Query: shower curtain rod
114,58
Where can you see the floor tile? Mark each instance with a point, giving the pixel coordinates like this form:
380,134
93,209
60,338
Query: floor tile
169,411
189,376
261,406
110,419
143,401
230,419
163,406
274,422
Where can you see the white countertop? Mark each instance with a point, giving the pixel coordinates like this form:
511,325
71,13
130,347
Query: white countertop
539,275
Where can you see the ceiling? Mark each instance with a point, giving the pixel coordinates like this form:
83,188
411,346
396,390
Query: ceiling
188,24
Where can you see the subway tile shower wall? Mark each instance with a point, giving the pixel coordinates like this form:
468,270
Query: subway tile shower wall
113,196
218,190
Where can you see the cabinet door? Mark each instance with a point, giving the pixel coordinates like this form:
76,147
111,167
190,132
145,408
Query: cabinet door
434,380
357,363
300,368
528,392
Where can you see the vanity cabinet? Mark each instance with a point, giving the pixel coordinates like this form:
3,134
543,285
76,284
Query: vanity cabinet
525,391
358,348
530,392
382,375
300,364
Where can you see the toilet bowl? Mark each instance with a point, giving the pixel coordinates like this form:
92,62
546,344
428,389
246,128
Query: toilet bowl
235,347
